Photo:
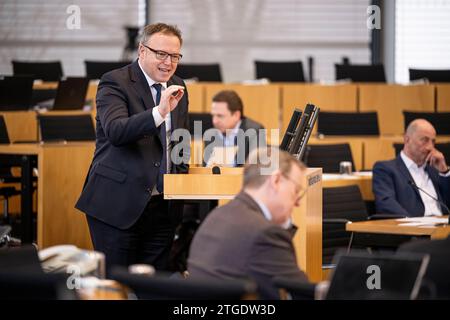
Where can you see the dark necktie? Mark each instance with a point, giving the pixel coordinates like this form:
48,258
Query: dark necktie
162,131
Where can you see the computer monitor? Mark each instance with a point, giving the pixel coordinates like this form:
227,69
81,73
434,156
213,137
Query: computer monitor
66,128
362,276
290,131
298,144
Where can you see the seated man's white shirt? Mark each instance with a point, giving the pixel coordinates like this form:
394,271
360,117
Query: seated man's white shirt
423,181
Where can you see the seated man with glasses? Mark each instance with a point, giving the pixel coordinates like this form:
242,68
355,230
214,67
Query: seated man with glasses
251,236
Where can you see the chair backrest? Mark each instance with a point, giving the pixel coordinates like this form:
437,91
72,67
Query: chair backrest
348,123
67,128
328,156
288,71
200,72
360,73
16,93
439,120
339,203
204,118
430,75
4,137
96,69
71,94
47,71
170,288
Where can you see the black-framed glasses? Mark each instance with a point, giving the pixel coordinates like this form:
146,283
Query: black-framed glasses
162,55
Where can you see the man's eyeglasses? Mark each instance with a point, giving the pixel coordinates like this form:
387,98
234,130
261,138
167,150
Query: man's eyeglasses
298,189
162,55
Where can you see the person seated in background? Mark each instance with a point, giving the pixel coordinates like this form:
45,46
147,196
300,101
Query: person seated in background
417,182
251,236
239,134
436,283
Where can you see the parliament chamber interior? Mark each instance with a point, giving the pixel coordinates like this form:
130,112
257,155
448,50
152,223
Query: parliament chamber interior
356,94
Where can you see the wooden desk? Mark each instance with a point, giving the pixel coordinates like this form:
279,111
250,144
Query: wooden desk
308,217
391,226
62,169
443,97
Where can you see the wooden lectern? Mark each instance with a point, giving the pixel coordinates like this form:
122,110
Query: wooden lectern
201,184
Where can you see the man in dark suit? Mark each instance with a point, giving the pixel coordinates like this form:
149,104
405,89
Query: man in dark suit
396,182
138,106
234,129
251,236
436,283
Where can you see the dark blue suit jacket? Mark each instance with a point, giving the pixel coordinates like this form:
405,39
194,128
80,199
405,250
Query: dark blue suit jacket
394,194
128,149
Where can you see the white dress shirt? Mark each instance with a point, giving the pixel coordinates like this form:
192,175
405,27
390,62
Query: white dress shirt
423,181
158,118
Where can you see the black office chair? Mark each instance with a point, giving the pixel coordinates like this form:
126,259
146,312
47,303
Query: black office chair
288,71
67,128
204,118
200,72
298,290
439,120
328,156
348,123
360,73
46,71
430,75
340,205
96,69
16,93
163,287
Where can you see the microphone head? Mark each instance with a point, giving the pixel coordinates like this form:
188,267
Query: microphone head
215,170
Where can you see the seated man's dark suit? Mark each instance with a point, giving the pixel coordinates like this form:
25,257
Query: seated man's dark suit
250,141
236,241
394,194
436,280
127,158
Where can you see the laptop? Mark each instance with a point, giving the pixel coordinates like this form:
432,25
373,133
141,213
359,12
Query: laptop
363,276
70,95
16,93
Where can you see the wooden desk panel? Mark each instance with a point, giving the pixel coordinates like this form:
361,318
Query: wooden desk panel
261,102
390,100
327,98
443,97
196,94
308,217
21,125
62,170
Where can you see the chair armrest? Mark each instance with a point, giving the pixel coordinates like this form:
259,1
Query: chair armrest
335,221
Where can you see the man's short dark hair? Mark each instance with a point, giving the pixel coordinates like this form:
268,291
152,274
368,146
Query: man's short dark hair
232,99
160,27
